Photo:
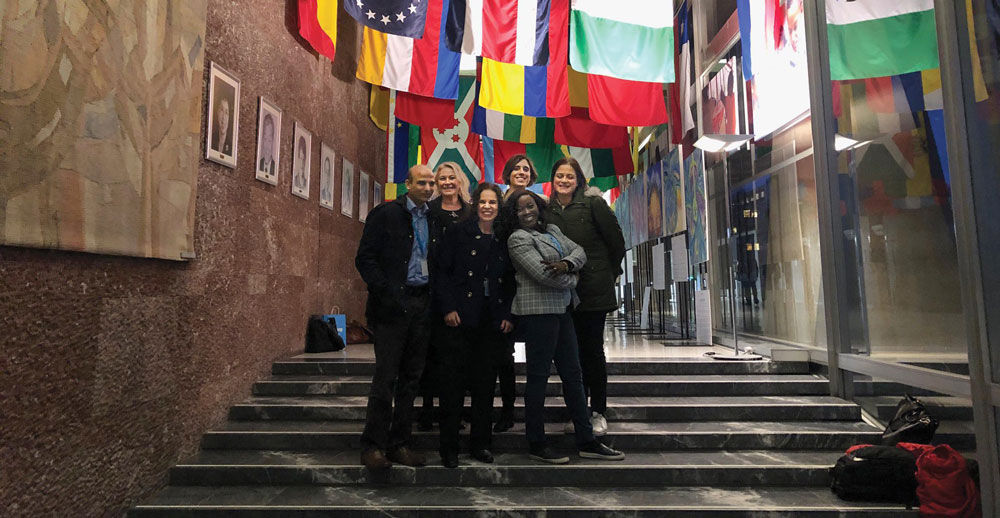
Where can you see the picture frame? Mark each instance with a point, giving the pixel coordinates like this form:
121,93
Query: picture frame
327,173
267,164
364,196
377,197
223,128
301,161
347,189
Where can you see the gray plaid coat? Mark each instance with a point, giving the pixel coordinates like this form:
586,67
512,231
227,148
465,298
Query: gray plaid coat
539,293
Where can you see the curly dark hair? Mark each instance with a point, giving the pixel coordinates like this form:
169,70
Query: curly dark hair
476,194
507,221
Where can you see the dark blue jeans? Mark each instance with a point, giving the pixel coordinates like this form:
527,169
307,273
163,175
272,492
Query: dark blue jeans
549,338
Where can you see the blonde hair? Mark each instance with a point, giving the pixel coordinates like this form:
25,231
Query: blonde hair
463,181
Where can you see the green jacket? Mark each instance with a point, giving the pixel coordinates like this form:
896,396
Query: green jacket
589,222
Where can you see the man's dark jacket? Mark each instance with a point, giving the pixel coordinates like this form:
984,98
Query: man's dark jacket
384,257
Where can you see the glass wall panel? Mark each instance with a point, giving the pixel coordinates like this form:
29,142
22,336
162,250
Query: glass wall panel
897,212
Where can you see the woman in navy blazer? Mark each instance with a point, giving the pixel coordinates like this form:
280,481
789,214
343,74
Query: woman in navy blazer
474,287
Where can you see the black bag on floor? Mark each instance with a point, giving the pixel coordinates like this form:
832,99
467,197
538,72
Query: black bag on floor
910,423
876,474
322,336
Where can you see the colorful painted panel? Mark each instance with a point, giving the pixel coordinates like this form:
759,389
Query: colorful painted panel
696,206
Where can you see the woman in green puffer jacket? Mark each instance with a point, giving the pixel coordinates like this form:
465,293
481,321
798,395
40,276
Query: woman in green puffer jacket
586,219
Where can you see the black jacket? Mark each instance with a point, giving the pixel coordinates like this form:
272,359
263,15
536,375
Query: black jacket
384,256
467,258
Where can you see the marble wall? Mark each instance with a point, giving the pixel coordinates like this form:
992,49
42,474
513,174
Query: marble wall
112,367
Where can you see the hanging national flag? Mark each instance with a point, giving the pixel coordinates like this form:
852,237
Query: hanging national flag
543,153
456,143
626,39
398,17
498,125
604,183
423,66
463,27
402,143
578,130
874,38
318,25
538,91
619,102
426,112
509,31
378,106
602,162
503,126
682,119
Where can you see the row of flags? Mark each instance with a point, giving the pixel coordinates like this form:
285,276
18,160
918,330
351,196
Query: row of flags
568,77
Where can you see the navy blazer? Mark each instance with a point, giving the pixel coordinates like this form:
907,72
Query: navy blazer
384,256
466,258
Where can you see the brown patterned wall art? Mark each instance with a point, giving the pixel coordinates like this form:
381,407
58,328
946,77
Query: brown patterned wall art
100,112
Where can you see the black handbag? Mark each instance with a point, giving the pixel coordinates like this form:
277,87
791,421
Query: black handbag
910,423
322,335
876,474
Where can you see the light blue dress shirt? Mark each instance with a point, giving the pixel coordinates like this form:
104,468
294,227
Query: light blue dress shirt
415,275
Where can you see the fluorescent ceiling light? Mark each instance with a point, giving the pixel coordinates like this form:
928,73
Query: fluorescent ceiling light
715,143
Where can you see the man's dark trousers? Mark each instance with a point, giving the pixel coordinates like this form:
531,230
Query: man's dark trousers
400,353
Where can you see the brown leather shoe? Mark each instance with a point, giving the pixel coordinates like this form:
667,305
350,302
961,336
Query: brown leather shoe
406,457
375,459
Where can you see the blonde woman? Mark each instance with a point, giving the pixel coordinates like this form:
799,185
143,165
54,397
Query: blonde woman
449,205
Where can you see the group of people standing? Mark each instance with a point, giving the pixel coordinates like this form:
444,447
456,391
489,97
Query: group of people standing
454,280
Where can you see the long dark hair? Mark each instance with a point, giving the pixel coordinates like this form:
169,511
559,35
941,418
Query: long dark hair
507,222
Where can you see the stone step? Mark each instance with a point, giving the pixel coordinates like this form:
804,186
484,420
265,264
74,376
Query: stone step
627,436
643,469
632,366
533,502
735,408
943,408
618,385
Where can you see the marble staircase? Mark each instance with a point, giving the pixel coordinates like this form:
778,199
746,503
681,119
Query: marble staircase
703,438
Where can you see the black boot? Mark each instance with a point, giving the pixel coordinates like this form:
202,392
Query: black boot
506,421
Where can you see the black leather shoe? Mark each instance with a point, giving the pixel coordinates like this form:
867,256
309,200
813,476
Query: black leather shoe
505,423
483,455
425,422
406,457
375,459
449,460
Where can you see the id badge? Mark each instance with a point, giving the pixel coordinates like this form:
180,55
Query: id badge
423,268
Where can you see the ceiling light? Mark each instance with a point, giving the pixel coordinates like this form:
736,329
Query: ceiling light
713,143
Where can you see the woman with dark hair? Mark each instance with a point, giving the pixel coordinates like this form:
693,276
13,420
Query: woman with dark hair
449,204
473,288
547,265
519,173
588,221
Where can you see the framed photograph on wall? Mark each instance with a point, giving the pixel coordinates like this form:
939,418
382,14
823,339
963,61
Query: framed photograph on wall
223,116
377,196
268,142
347,189
301,161
326,176
364,196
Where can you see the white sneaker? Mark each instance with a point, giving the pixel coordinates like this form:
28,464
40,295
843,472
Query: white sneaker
569,428
599,423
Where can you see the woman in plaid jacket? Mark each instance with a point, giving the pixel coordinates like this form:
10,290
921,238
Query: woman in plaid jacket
547,263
